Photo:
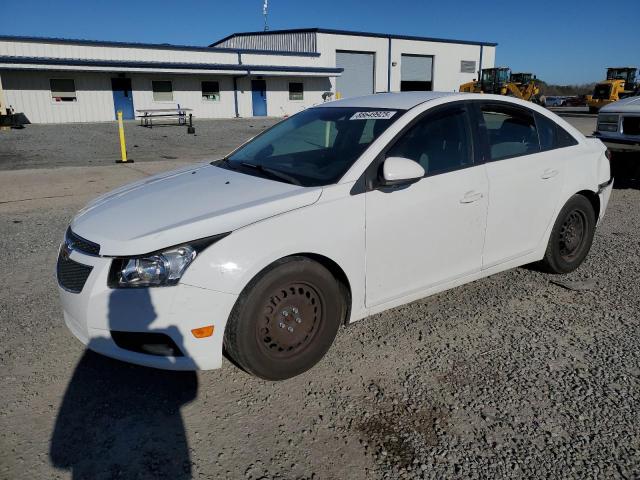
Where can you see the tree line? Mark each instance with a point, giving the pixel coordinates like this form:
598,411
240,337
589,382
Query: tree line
550,89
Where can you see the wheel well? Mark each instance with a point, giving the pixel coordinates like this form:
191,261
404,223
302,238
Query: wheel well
338,274
594,200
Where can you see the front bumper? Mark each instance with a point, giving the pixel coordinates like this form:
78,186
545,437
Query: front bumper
619,144
97,310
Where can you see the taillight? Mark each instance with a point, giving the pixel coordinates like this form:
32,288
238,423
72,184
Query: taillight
607,154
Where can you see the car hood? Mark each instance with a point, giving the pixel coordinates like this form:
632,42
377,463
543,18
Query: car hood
626,105
184,205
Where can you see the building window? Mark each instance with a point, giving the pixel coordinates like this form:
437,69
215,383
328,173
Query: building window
63,90
296,91
162,90
211,91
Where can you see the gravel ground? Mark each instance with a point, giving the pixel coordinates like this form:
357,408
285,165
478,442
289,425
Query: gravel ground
78,144
513,376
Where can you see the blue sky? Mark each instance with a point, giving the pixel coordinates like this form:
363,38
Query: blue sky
560,41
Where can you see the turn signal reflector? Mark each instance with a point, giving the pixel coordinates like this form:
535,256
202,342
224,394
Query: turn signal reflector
203,332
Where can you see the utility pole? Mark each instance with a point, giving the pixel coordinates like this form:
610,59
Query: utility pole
265,8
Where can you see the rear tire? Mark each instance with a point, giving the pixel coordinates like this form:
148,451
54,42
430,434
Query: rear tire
571,236
285,320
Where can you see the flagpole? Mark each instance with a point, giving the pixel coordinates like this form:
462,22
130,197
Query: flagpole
265,7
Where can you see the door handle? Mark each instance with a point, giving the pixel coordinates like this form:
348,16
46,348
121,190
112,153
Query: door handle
549,173
471,197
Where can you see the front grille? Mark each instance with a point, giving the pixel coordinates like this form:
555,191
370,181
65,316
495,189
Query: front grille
631,125
76,242
71,275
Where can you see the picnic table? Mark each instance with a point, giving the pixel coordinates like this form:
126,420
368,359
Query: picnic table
147,115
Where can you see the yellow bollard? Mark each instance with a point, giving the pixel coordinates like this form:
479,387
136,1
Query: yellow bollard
123,146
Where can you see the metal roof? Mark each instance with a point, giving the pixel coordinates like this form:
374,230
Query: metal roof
399,100
355,33
167,65
154,46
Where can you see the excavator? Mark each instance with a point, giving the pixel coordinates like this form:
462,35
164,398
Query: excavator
620,83
500,81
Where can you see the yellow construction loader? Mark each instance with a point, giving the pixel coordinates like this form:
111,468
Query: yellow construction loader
500,81
620,83
526,83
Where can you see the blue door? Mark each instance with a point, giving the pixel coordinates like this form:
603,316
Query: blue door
122,97
259,97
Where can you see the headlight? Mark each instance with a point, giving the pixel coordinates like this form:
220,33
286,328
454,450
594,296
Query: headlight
607,118
157,269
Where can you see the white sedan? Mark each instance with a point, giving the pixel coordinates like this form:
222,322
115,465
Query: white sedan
339,212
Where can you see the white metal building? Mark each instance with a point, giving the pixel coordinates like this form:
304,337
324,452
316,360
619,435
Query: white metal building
272,73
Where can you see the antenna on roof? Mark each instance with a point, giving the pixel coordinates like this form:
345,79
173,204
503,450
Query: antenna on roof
265,8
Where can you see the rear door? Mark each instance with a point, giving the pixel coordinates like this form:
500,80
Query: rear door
525,182
432,231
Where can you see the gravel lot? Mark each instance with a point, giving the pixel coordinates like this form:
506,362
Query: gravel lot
78,144
511,376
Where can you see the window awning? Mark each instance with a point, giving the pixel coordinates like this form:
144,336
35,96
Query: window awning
50,63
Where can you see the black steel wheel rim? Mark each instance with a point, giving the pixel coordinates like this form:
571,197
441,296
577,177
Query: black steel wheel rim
291,319
572,234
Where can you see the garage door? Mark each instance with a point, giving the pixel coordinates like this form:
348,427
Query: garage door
357,77
416,73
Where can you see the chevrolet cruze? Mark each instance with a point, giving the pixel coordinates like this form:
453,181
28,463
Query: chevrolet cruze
339,212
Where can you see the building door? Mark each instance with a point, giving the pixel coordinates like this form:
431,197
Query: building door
122,97
416,73
357,76
259,97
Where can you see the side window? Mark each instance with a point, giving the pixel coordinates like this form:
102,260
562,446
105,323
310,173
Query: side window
565,139
511,131
552,135
438,142
546,132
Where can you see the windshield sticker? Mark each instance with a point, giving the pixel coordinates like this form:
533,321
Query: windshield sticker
378,115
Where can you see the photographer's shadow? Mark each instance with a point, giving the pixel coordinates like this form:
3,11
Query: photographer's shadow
119,420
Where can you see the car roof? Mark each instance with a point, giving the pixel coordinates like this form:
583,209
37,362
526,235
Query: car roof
399,100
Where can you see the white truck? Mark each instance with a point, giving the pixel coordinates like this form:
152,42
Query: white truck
619,125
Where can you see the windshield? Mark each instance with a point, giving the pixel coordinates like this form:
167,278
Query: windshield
626,74
315,147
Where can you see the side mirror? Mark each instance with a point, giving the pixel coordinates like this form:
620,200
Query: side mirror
399,170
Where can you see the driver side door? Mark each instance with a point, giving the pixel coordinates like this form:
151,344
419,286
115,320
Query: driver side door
431,231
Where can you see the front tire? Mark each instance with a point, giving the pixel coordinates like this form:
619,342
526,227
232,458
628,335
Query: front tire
571,237
285,320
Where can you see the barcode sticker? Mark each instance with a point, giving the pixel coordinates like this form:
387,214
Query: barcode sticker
377,115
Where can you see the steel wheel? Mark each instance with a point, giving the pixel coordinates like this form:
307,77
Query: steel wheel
572,234
285,319
292,317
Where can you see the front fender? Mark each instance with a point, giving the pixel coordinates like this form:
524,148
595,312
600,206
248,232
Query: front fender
332,227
